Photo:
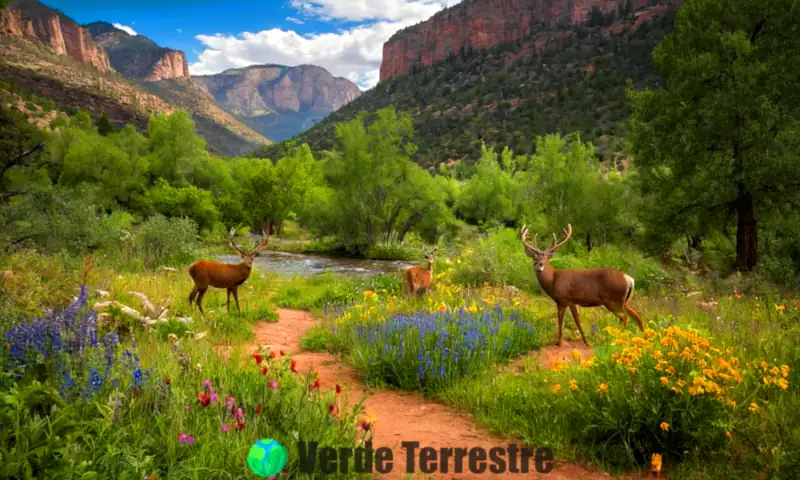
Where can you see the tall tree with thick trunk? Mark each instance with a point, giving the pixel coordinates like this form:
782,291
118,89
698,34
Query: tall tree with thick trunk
722,136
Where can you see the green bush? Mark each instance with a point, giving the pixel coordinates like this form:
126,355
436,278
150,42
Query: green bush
165,241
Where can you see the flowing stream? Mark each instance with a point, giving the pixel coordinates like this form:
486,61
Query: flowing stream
293,264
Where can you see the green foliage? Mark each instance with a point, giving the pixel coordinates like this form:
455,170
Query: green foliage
723,137
488,197
165,241
377,194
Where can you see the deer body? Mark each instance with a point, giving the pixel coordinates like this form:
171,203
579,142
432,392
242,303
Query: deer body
206,273
568,288
417,280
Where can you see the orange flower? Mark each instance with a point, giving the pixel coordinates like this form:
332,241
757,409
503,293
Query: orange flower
729,434
664,426
664,380
655,463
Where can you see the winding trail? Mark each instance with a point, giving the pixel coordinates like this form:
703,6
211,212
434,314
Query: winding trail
407,416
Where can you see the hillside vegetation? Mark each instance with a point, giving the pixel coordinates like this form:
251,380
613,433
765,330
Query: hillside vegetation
510,95
73,85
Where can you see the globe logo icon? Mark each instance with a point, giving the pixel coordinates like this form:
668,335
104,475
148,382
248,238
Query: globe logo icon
267,458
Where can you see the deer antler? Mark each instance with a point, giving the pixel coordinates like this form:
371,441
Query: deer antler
528,247
264,240
233,244
556,243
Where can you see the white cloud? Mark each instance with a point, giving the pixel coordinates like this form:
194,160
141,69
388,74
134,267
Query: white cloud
353,53
294,20
125,29
179,30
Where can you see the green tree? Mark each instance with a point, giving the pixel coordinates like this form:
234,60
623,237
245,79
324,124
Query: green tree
21,149
490,194
723,135
104,125
378,194
174,147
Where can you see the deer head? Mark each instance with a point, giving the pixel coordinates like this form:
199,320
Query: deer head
541,258
247,258
429,256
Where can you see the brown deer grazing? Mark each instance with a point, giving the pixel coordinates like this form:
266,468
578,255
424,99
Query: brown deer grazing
206,273
608,287
416,280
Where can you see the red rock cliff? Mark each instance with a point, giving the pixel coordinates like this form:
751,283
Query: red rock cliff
34,21
480,24
172,64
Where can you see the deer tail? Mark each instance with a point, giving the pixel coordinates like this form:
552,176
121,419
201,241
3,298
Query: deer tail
629,280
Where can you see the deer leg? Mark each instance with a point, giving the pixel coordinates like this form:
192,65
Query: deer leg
236,297
636,315
192,295
576,316
229,300
200,301
561,310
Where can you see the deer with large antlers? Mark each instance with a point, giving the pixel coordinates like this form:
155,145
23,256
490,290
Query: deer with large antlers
607,287
206,273
416,280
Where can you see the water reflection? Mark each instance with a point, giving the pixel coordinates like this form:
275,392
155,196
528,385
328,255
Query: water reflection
282,263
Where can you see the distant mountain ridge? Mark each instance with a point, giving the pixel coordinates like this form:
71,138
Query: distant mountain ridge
137,56
279,101
502,72
47,53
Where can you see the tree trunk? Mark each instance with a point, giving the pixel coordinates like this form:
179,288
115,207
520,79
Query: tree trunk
588,242
746,233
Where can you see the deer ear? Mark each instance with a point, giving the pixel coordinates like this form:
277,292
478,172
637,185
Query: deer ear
550,254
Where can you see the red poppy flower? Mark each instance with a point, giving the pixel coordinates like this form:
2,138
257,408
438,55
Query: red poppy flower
169,380
338,388
204,399
257,358
272,354
264,371
315,384
282,354
258,408
294,366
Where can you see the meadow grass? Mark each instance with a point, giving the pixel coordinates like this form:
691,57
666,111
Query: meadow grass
733,429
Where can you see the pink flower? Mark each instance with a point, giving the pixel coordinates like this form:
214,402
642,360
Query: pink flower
214,396
190,440
228,401
207,384
225,427
240,413
187,408
273,384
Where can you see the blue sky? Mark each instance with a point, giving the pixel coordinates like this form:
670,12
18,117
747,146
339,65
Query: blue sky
344,36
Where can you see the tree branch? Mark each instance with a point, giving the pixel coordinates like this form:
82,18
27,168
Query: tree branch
757,30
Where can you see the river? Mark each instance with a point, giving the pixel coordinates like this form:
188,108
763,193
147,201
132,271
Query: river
293,264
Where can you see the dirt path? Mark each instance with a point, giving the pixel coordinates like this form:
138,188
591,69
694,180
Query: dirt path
406,416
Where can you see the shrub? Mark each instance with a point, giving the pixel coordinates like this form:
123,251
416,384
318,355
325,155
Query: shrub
166,241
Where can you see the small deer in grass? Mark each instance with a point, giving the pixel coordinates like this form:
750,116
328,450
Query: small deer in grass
206,273
608,287
416,280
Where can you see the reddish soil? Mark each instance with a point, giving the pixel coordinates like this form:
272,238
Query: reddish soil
407,416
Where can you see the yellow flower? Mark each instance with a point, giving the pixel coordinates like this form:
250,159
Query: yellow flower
764,365
556,365
369,294
729,434
783,384
576,355
753,407
442,307
555,388
664,426
633,370
681,383
774,371
780,308
587,364
603,388
785,370
731,402
655,462
664,380
573,385
676,389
